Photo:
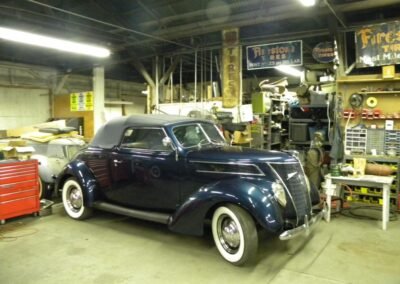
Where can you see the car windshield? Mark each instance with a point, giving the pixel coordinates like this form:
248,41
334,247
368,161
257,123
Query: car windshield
198,134
71,150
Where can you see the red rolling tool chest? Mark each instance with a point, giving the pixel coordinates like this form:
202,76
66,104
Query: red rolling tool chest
19,188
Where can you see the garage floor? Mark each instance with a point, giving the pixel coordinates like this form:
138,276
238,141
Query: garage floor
113,249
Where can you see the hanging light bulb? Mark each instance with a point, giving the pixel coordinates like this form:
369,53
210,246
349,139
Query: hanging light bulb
307,3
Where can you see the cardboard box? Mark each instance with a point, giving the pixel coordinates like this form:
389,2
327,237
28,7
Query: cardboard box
242,137
16,149
388,72
3,133
20,153
17,143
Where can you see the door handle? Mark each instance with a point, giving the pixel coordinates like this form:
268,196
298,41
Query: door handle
117,161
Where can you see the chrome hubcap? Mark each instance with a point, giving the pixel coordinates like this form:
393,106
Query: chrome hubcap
228,234
75,199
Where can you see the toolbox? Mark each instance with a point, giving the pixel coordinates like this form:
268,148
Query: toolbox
19,188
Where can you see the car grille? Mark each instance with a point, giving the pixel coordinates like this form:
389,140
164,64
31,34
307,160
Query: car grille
293,177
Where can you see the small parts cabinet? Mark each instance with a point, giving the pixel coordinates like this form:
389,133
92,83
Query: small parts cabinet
19,188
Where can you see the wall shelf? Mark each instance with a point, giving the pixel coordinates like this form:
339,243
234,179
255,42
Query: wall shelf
366,80
381,93
309,120
381,159
267,122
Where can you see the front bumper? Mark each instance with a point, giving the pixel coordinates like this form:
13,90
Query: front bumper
304,229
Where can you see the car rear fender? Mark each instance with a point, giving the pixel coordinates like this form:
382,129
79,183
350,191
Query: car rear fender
78,170
253,195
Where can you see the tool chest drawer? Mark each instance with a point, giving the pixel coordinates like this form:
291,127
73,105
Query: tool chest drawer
19,188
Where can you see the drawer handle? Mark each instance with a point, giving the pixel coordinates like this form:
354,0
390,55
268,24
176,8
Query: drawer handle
7,186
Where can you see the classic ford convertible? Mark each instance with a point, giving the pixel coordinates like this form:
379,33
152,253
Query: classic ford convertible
181,172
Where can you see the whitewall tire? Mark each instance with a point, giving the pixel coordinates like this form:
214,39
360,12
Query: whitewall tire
73,200
235,234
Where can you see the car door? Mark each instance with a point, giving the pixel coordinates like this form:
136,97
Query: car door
144,172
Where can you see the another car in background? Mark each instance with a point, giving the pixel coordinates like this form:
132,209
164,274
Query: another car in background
52,157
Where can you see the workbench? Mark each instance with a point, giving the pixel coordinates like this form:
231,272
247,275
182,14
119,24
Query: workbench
333,187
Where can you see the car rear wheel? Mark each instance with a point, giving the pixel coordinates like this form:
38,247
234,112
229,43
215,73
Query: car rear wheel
235,234
44,191
40,188
73,200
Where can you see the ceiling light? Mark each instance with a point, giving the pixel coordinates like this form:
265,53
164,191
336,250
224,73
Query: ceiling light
53,43
289,70
307,3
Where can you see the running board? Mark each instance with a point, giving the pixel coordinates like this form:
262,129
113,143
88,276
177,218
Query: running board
139,214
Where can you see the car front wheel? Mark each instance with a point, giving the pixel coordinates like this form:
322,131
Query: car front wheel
73,200
235,234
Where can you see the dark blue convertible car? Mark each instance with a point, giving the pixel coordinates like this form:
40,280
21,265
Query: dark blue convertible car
181,172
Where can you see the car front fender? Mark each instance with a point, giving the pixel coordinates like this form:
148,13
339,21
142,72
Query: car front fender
255,196
46,173
79,170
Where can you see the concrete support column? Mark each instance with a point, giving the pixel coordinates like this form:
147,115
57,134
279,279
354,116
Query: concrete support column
98,102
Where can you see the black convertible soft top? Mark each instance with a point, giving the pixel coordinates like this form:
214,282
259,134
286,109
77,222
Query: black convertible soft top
109,134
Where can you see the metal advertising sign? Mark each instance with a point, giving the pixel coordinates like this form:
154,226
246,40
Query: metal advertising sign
231,62
81,101
275,54
378,45
324,52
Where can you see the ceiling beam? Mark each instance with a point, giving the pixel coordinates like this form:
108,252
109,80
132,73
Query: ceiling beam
199,13
105,23
171,69
147,10
338,15
142,70
238,20
273,14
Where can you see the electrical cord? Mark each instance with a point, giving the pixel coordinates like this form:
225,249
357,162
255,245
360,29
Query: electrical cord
6,232
351,212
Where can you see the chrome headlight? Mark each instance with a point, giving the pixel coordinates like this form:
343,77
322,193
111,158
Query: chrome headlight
307,183
279,193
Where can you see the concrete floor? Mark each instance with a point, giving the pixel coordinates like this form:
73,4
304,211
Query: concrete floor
113,249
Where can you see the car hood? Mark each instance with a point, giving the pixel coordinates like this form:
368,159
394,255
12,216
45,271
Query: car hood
232,154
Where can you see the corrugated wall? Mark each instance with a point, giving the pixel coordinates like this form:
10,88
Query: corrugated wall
20,107
25,94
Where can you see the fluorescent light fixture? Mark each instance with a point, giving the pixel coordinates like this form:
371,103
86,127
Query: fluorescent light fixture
307,3
53,43
289,70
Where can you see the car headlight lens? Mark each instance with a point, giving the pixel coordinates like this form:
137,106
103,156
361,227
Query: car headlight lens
279,193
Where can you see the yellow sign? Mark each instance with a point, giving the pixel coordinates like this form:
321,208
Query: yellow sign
231,62
81,101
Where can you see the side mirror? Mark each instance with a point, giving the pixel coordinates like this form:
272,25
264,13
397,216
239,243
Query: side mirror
166,141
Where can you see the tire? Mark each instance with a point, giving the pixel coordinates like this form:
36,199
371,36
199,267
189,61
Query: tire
40,188
314,195
44,191
235,234
73,200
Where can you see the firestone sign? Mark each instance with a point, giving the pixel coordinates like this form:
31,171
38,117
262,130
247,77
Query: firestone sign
273,55
378,45
231,68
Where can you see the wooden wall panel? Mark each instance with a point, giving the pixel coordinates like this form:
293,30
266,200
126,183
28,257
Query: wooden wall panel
62,110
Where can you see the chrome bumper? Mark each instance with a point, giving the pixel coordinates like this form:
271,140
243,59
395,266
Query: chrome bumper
303,229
